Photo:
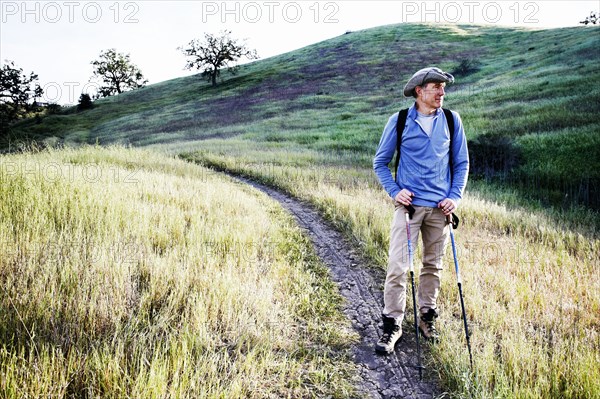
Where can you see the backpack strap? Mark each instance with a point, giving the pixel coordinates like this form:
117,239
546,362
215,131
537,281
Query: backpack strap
450,122
401,124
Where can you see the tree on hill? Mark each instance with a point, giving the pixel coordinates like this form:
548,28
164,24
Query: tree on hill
591,19
215,53
85,102
18,92
117,73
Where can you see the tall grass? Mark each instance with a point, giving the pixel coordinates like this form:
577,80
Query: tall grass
129,274
531,277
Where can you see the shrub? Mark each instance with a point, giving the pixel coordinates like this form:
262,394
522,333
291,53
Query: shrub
493,156
53,109
466,67
85,102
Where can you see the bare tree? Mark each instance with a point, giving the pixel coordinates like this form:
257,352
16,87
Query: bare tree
215,53
592,19
117,73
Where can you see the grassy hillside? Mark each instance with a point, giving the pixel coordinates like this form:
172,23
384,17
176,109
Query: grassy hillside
530,108
309,122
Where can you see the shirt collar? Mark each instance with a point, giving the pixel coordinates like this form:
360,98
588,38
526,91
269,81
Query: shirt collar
412,111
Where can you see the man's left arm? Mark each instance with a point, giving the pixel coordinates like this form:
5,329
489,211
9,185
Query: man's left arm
460,161
460,165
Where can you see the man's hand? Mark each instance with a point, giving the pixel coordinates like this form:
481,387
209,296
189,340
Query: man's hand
404,197
448,206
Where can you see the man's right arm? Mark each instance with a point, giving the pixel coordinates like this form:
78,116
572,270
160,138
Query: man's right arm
383,156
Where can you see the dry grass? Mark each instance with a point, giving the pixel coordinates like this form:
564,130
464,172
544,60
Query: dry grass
530,278
125,273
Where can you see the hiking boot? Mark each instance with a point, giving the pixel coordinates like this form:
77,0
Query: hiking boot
427,326
391,334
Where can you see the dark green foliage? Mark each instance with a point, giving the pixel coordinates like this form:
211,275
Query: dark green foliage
116,73
17,94
561,167
553,168
85,102
466,67
493,156
53,109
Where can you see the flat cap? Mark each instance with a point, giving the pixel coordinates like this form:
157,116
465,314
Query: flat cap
426,75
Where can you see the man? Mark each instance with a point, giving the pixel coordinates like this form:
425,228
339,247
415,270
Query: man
424,179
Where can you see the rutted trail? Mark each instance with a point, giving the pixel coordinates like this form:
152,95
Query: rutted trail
387,377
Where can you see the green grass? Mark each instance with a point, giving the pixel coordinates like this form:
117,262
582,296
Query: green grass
125,273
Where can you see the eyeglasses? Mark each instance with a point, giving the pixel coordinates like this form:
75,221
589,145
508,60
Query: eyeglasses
441,88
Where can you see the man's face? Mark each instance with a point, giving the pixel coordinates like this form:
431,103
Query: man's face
431,94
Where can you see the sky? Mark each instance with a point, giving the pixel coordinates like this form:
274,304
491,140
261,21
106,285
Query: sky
59,39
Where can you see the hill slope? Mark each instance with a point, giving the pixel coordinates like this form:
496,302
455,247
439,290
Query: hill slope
529,106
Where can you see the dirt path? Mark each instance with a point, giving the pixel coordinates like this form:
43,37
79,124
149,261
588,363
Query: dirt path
393,376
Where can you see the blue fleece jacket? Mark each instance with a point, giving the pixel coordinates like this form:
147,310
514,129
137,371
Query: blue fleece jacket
424,168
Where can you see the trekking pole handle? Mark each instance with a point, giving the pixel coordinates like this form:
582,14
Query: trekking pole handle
453,220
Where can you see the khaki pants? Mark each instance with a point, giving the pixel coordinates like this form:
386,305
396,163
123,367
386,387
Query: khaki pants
431,223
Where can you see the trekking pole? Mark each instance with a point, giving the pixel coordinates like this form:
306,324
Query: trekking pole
411,211
459,280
